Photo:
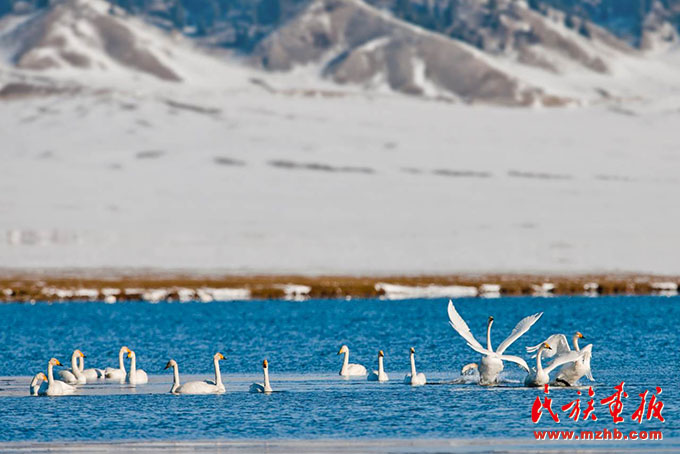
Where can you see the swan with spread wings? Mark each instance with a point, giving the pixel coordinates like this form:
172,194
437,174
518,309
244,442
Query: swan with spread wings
491,364
572,371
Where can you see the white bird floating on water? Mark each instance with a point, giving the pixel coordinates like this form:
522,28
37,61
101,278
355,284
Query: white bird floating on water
192,387
74,376
380,374
38,384
55,387
262,387
119,373
350,370
90,374
491,364
135,376
414,378
541,375
572,371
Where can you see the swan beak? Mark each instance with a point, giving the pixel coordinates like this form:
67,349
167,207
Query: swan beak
413,350
340,352
381,354
129,353
547,346
168,366
581,336
265,364
491,318
221,356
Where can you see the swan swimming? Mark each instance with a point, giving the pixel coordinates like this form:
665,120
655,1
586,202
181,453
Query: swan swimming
192,387
541,375
414,378
262,387
74,376
379,375
218,374
571,372
491,364
38,384
350,370
135,376
90,374
119,373
55,387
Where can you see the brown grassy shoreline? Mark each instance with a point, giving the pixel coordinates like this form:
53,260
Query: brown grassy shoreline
41,286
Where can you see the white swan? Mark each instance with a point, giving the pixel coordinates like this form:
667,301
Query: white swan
90,374
118,373
491,364
379,375
414,378
262,387
541,375
135,376
571,372
55,387
350,370
38,384
73,376
193,387
218,374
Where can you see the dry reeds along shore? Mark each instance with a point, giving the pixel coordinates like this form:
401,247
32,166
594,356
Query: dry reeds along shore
25,287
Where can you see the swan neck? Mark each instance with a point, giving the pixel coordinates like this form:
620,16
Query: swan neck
74,362
413,365
121,362
380,365
488,335
81,364
267,386
576,347
539,366
345,362
50,376
175,377
218,373
133,364
34,382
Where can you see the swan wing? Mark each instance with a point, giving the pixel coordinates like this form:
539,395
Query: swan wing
517,360
457,323
558,343
563,359
521,328
588,353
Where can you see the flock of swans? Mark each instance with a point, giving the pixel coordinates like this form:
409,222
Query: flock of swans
574,364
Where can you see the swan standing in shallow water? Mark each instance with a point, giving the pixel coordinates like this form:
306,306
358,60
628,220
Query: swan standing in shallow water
414,378
491,364
38,384
192,387
379,375
350,370
541,375
218,374
74,376
262,387
119,373
55,387
571,372
135,376
90,374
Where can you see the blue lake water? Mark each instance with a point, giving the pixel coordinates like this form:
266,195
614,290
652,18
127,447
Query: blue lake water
635,340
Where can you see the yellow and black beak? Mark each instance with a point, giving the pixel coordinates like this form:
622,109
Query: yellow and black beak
168,366
413,350
381,354
265,364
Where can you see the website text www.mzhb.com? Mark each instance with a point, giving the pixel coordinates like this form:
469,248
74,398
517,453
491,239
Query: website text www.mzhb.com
597,435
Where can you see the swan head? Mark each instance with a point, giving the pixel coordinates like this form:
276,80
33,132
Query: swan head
413,351
79,354
218,356
343,349
490,321
265,364
124,349
42,376
579,335
130,353
546,346
54,362
171,363
381,354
